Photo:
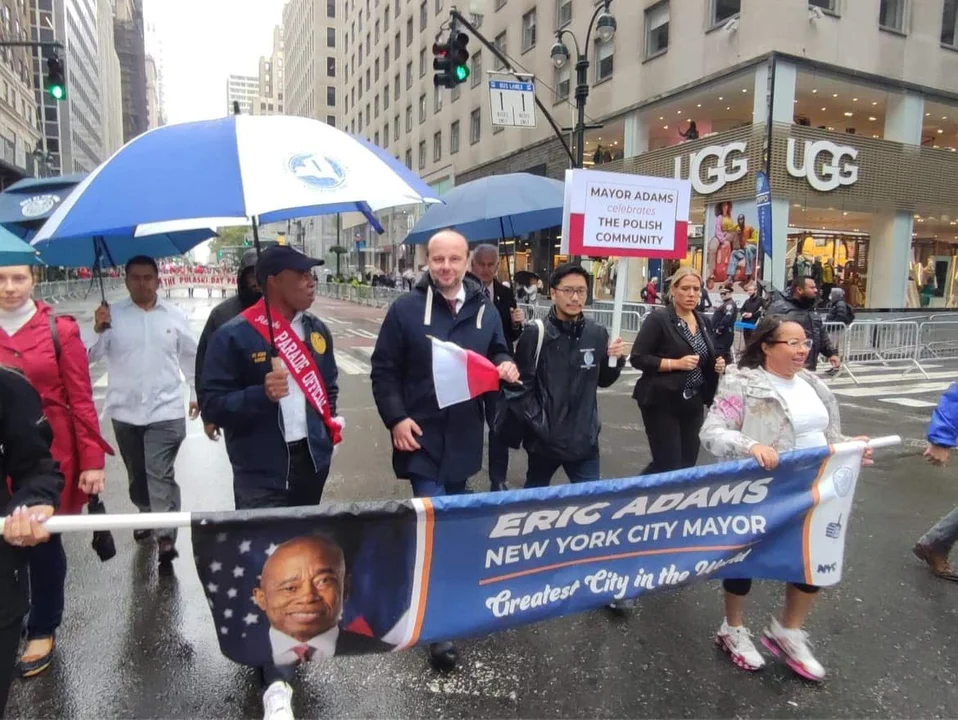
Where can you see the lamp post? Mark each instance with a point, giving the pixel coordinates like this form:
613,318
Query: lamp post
604,25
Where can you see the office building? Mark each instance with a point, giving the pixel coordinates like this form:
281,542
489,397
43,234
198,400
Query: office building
130,42
111,96
19,120
243,89
153,119
269,100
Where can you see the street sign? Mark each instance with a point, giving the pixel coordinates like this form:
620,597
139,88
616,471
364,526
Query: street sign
513,103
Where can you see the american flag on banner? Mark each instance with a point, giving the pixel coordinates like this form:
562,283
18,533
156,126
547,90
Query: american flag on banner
230,550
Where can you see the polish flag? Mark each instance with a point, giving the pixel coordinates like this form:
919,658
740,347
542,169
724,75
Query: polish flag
460,374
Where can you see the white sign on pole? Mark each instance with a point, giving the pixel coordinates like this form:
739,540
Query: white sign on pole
513,103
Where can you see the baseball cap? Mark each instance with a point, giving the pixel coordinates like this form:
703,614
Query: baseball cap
275,259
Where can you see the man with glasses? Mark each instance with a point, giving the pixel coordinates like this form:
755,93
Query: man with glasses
561,370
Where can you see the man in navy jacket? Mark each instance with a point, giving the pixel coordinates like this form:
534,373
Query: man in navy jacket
436,450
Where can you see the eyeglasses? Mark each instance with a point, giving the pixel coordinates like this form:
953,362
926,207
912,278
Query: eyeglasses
795,344
573,292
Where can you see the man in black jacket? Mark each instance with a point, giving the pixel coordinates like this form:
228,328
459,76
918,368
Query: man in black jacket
247,293
800,307
485,263
36,483
723,325
751,308
572,363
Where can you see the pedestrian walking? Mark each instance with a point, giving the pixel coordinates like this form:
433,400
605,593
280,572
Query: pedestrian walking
147,343
752,308
769,405
799,306
247,293
935,545
838,309
563,361
27,498
278,414
723,325
49,352
485,264
436,450
680,372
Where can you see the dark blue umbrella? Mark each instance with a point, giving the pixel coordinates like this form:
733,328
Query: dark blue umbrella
494,208
25,205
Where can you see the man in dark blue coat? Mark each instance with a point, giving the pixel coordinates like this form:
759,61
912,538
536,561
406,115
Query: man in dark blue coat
279,445
436,450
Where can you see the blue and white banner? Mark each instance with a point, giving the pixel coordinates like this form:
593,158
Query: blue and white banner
370,577
763,202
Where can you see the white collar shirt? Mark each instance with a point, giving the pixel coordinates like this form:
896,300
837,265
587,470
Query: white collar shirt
148,354
283,646
293,406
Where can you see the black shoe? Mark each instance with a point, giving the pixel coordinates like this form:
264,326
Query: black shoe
443,656
167,551
141,535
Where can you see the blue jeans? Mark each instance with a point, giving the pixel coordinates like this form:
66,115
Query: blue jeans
423,486
498,450
542,468
943,535
748,254
48,573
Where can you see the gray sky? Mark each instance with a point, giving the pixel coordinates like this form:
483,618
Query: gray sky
203,42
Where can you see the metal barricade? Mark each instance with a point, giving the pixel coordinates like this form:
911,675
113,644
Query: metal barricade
836,333
894,345
939,340
531,311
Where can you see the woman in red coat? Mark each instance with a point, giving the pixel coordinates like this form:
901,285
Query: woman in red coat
62,379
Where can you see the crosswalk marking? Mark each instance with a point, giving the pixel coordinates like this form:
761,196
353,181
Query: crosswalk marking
367,351
359,332
349,365
876,391
336,321
908,402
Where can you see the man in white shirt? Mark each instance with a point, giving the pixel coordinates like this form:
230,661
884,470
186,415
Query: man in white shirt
147,343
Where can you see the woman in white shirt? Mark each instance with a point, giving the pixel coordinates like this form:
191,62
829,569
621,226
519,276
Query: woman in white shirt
771,404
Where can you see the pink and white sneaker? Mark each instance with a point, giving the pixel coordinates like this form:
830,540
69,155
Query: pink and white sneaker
792,646
737,644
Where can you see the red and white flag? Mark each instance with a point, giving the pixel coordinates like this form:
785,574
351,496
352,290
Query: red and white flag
460,374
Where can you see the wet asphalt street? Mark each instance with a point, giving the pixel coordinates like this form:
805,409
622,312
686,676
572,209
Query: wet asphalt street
137,645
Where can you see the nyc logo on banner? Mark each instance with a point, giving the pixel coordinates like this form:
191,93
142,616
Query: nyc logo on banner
305,583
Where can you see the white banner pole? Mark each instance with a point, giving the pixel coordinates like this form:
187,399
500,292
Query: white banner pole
132,521
621,282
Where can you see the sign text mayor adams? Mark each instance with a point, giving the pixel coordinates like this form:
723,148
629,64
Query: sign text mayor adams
627,215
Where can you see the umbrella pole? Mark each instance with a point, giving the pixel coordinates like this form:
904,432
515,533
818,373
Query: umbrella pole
98,249
269,316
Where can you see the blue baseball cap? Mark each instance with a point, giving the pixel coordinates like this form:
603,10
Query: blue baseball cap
277,258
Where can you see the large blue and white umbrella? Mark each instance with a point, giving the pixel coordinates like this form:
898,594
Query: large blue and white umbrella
236,170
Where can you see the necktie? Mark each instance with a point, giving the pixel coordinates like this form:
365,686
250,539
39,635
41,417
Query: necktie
452,305
489,294
304,652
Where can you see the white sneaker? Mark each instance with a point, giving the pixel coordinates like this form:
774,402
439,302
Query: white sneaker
278,702
792,646
737,643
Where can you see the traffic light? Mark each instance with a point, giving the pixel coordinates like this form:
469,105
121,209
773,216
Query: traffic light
55,82
442,64
460,57
451,61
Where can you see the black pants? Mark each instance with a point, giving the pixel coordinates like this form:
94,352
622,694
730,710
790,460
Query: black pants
742,586
673,433
304,487
48,574
9,644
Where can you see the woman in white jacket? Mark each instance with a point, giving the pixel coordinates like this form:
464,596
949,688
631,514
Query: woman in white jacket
771,404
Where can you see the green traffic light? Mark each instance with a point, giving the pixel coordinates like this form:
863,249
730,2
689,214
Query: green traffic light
462,72
57,92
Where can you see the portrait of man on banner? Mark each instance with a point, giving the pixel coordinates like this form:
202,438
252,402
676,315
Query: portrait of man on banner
732,245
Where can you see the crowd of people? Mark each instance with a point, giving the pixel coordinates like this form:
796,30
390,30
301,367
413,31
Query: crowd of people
281,424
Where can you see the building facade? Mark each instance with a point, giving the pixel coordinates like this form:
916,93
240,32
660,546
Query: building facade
271,79
111,95
128,32
863,113
242,89
153,112
19,120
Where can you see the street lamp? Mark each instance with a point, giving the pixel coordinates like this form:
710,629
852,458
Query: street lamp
604,25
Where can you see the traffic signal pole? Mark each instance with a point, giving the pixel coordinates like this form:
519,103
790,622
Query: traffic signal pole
458,18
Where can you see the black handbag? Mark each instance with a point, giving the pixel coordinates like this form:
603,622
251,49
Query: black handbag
102,544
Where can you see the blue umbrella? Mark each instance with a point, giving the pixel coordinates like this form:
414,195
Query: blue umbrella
25,205
494,208
14,251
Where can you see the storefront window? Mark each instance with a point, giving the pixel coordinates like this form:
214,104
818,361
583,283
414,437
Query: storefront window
829,102
605,145
940,126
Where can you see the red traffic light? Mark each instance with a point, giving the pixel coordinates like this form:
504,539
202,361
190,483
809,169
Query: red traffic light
440,49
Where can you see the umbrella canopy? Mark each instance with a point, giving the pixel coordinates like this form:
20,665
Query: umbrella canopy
25,205
494,208
14,251
233,170
117,249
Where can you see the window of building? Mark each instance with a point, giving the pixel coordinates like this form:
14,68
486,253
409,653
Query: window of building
422,62
891,15
409,158
386,16
438,6
723,10
949,23
422,154
454,138
604,53
422,108
330,67
455,93
409,75
529,30
829,6
500,43
423,16
331,37
657,29
563,81
475,126
377,31
376,107
409,32
398,8
500,3
331,8
475,73
376,72
369,85
563,12
396,88
409,118
369,46
386,98
359,120
386,134
437,147
396,46
331,120
437,98
376,137
396,128
331,95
